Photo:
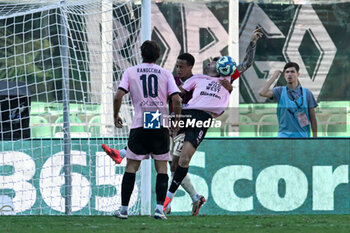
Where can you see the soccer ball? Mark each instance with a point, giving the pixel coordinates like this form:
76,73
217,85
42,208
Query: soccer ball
226,66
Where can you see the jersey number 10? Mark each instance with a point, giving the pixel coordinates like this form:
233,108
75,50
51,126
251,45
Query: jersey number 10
150,85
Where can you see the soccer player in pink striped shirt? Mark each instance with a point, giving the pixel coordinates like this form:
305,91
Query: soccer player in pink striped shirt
150,86
209,100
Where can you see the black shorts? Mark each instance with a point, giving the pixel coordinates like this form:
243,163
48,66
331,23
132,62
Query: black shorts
145,141
195,134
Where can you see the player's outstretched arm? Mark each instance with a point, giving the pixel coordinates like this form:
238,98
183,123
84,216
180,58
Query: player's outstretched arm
250,52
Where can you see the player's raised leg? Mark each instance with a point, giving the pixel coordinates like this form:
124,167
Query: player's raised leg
181,171
114,154
197,200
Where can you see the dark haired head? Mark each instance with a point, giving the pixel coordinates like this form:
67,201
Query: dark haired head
291,64
216,58
188,58
150,51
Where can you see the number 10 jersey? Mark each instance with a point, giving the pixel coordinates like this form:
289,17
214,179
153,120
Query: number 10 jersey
150,86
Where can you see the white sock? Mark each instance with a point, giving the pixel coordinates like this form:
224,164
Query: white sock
124,208
195,198
188,186
159,208
122,153
170,195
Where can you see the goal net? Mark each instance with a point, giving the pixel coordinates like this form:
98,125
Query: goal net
60,63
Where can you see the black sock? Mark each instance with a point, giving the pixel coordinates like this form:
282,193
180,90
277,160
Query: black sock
179,175
127,187
161,187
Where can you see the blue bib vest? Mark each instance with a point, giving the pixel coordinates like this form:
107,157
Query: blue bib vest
287,111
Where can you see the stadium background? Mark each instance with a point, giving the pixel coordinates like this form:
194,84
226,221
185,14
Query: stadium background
257,118
318,45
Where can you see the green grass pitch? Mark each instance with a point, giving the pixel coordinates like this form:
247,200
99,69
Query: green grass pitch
181,224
